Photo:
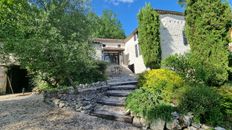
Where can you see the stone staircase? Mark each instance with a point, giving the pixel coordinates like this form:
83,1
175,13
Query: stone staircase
111,106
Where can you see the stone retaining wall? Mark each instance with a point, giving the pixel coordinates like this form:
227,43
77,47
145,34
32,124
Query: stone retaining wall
81,100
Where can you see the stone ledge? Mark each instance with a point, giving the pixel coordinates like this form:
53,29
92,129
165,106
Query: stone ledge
93,88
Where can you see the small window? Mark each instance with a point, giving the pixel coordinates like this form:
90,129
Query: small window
119,46
184,38
136,50
135,36
104,45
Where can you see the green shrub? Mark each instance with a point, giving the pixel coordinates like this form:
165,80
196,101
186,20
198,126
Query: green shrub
158,92
226,103
178,63
148,106
204,102
94,74
193,71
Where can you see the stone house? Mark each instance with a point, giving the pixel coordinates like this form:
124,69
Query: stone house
127,51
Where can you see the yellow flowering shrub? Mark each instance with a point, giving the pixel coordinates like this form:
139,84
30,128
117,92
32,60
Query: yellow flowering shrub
158,91
163,83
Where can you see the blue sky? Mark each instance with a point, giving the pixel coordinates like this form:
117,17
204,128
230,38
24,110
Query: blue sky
126,10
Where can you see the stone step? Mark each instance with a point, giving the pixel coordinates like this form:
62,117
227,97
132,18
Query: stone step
119,109
123,83
113,101
123,87
112,116
118,93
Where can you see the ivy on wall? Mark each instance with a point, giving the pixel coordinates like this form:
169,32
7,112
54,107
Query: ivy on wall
149,36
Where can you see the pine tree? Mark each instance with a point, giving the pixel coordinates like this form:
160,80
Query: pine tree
207,26
149,39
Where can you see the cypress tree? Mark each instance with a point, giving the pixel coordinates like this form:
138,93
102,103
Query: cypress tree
207,26
149,39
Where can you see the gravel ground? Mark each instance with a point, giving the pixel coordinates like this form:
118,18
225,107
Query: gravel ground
31,113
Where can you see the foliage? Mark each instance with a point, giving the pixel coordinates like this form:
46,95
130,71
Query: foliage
206,30
184,66
149,36
49,38
106,26
226,93
144,104
158,91
178,63
94,74
162,83
204,102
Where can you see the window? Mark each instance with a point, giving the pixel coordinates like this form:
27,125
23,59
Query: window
135,36
137,50
184,38
104,45
119,45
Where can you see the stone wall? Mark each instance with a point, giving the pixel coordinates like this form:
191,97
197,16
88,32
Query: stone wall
3,80
172,35
82,99
178,122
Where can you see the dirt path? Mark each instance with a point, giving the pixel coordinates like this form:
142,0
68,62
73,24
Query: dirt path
31,113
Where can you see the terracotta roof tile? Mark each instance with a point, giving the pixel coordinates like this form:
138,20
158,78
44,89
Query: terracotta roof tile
108,40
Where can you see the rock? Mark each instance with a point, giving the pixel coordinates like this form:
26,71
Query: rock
173,125
88,107
128,112
61,104
144,122
219,128
136,122
157,125
56,102
205,127
197,126
192,128
187,119
175,115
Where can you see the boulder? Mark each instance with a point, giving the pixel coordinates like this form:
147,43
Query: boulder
137,122
219,128
196,125
192,128
187,120
157,125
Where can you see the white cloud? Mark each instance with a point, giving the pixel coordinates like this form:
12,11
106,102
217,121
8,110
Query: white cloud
117,2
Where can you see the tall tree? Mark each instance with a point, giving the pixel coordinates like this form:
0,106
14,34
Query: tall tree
107,25
48,37
207,26
149,39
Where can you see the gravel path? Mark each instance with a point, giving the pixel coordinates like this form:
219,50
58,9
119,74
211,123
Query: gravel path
31,113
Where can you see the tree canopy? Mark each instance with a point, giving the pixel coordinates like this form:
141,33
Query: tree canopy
149,39
106,26
48,37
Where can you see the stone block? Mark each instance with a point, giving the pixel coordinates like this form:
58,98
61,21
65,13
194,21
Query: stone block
157,125
137,122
